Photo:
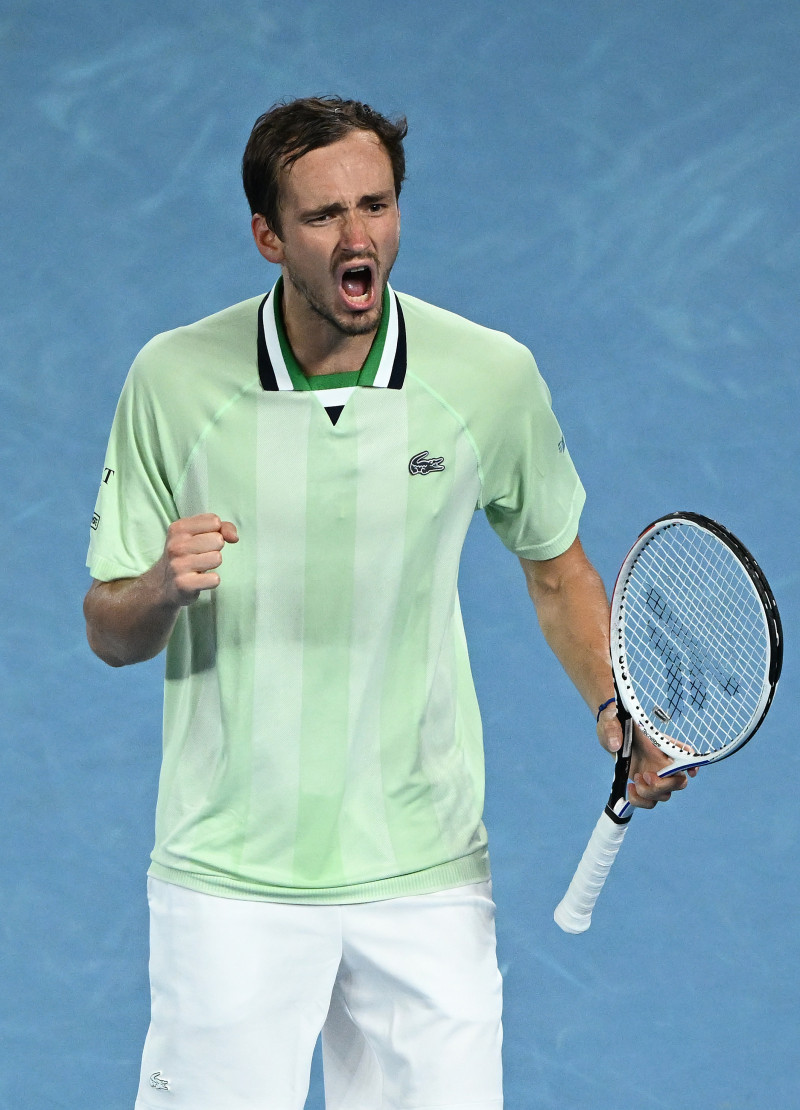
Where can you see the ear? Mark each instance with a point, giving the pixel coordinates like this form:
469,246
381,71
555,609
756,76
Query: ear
268,243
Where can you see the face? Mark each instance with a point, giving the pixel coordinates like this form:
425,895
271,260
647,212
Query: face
340,233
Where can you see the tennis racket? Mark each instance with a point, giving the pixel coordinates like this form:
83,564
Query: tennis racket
696,653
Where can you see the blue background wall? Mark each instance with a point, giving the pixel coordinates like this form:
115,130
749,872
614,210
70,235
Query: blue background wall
615,183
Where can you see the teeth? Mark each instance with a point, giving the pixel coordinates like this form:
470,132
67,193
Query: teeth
353,278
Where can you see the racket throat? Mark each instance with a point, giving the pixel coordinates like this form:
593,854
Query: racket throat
621,816
618,807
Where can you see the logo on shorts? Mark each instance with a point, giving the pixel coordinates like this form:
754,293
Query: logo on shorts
95,521
562,446
158,1082
422,463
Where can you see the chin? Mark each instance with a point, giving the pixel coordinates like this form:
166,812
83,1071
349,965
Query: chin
361,324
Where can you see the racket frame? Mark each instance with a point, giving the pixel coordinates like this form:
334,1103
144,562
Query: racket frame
626,697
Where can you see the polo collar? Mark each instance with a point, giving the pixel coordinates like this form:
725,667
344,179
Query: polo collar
278,368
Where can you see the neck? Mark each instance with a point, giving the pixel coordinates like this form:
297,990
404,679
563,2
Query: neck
317,344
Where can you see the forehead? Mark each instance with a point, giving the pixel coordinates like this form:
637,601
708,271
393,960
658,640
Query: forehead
355,166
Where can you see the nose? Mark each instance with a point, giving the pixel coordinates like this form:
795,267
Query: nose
354,236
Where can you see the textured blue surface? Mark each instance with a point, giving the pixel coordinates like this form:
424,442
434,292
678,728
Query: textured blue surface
613,182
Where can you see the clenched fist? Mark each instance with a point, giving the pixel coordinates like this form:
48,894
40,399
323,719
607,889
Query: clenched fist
192,554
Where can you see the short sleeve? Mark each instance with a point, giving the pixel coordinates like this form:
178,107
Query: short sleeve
532,494
134,505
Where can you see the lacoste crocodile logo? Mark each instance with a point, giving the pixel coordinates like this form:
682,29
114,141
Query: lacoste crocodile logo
422,463
159,1083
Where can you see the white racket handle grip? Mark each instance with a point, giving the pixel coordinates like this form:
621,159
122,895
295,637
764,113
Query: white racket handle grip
574,912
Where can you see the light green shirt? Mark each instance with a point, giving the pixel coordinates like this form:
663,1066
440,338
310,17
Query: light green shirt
322,740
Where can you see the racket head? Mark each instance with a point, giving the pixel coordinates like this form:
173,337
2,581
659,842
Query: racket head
696,639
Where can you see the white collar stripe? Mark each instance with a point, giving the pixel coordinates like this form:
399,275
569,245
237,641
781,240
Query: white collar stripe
274,344
384,370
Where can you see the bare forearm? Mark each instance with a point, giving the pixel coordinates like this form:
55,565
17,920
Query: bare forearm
129,620
572,609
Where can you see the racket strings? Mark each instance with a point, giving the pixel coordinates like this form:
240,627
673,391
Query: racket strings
693,639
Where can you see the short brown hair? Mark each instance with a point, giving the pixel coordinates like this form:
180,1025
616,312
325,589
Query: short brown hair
289,130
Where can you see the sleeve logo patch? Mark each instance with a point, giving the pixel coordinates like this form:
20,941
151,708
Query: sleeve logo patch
95,521
562,446
422,463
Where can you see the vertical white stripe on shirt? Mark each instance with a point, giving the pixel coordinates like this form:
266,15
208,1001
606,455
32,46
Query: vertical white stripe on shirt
281,460
376,582
444,758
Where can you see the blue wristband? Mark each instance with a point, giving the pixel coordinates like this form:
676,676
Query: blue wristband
605,705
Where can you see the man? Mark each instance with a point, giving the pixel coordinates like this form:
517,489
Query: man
285,497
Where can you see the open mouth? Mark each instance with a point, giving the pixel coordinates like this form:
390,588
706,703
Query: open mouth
357,283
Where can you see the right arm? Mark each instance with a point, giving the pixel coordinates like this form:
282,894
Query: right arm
572,608
129,620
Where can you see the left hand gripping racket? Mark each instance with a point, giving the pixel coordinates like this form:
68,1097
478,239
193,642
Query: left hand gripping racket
696,653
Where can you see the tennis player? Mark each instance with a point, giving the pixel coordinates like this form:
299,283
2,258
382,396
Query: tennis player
284,500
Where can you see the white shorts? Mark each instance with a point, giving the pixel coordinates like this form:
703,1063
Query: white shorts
406,993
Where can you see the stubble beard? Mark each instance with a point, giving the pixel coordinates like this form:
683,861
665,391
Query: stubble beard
343,326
